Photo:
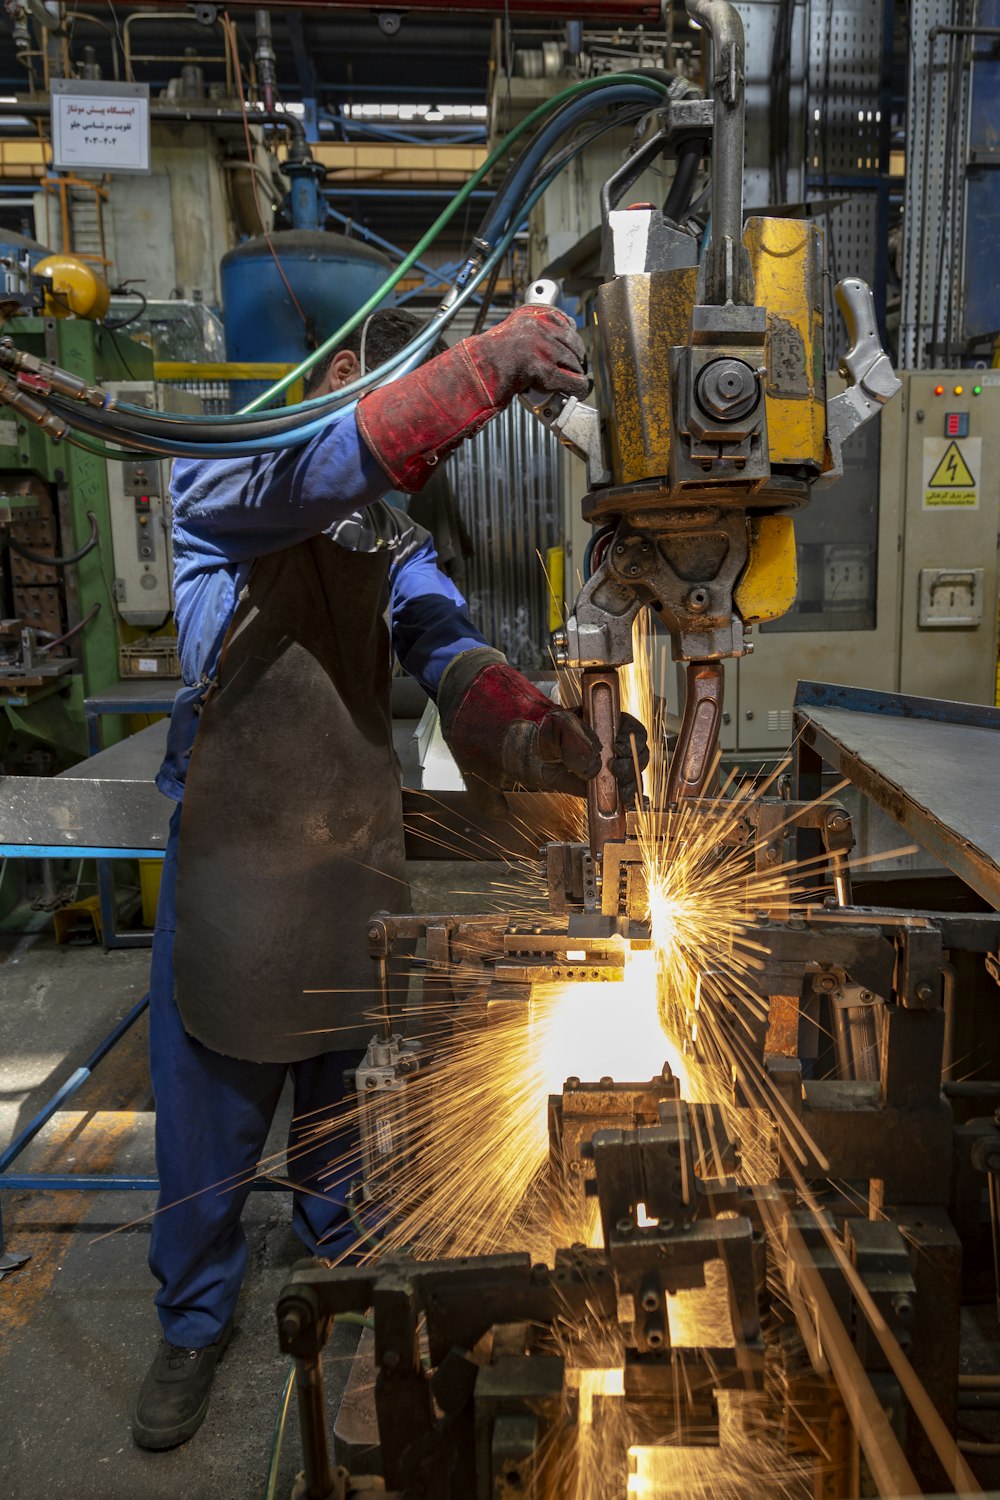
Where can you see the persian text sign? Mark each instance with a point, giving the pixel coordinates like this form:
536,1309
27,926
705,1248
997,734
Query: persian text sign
100,126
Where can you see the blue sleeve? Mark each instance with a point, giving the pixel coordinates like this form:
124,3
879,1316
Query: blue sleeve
429,618
235,509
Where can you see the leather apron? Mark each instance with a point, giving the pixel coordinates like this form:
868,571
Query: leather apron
292,832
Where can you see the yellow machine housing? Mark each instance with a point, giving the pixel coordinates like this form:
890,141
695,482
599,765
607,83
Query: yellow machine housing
786,257
74,288
638,318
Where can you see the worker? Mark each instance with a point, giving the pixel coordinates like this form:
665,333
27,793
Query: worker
280,745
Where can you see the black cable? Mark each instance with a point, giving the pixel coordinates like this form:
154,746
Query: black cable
43,560
120,323
69,634
780,99
157,431
679,198
484,306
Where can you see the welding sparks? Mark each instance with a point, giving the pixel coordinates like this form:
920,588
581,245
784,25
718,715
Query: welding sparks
473,1176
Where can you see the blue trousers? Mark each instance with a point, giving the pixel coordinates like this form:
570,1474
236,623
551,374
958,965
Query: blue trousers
213,1114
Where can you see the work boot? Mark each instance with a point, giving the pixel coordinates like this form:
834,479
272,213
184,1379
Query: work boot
174,1396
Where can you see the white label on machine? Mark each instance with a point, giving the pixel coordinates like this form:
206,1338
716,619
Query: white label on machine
147,664
951,473
100,125
8,434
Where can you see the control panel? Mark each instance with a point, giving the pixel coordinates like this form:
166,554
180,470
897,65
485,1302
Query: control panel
897,563
140,527
948,614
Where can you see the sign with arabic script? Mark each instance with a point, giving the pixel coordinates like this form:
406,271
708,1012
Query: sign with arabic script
100,126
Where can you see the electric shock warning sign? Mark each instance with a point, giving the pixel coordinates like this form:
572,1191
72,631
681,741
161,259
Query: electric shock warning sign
952,472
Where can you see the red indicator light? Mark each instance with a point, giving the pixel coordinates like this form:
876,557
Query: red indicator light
939,390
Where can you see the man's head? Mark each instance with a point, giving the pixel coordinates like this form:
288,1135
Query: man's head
378,338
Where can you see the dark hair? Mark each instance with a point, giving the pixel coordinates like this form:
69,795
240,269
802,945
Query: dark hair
384,333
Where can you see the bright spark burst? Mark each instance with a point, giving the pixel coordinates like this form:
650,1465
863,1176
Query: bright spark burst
475,1180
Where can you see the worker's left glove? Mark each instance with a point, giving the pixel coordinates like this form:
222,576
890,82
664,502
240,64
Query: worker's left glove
413,422
503,732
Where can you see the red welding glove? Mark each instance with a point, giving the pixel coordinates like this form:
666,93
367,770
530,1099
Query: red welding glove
503,732
413,422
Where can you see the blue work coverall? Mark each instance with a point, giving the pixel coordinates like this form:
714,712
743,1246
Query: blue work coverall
214,1111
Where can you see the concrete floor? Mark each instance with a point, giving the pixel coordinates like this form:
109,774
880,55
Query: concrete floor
77,1324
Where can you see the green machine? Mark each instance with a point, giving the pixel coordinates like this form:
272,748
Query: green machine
85,565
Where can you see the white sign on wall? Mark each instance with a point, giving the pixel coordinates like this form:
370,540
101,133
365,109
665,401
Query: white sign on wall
100,126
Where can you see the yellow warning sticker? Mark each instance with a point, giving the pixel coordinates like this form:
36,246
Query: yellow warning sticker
951,473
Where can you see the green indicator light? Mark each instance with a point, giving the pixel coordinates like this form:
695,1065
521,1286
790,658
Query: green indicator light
977,390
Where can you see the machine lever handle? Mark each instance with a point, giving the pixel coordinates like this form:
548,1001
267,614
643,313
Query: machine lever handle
543,293
867,369
866,362
576,425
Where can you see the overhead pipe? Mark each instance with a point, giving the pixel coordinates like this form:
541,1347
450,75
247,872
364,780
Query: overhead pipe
179,114
586,10
726,266
265,58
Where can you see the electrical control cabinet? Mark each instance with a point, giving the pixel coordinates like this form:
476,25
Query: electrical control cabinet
139,506
898,581
948,614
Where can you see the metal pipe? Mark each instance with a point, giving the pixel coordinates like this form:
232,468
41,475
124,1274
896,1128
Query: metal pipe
264,57
592,10
725,280
601,697
182,114
948,1005
972,1088
312,1423
986,31
385,1009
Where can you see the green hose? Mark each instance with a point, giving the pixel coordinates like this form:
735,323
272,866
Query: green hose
357,1320
274,1462
607,80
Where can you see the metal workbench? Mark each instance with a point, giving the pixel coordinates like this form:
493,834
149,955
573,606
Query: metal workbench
137,695
107,807
931,765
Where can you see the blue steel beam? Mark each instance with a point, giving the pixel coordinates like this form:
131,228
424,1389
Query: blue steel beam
69,1088
74,851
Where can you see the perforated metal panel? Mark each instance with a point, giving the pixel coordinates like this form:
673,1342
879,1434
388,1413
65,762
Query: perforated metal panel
760,20
936,131
845,79
845,142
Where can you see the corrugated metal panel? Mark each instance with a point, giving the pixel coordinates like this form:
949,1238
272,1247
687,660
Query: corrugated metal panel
506,483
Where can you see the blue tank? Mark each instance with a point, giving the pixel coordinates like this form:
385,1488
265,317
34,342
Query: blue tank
330,275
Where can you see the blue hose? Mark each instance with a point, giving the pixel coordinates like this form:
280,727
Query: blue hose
534,154
503,208
401,364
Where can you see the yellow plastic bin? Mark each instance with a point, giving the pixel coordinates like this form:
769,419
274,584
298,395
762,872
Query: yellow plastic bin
150,871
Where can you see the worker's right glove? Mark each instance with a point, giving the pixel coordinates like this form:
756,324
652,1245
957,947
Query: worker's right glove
411,423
